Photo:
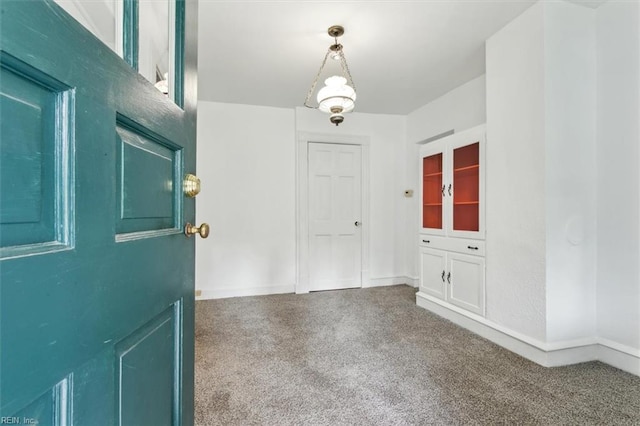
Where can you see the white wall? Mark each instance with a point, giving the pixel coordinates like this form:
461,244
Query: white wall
98,16
563,187
515,193
462,108
388,206
246,162
541,171
618,67
570,170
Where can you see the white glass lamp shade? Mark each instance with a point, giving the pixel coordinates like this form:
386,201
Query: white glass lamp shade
337,94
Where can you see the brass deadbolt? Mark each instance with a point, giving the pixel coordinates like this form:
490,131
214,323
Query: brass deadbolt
191,185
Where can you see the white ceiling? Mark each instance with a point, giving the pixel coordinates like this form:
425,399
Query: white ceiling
402,54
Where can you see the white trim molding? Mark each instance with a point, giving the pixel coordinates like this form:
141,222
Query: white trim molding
302,202
413,281
620,356
224,293
389,281
552,354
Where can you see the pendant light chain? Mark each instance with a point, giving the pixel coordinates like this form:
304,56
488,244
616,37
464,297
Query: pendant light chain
345,69
315,81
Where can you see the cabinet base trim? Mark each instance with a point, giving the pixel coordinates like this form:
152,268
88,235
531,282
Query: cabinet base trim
546,354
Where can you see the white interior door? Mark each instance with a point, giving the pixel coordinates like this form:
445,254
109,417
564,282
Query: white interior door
335,206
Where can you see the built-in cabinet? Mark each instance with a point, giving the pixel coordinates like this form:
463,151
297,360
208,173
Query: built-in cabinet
453,185
451,241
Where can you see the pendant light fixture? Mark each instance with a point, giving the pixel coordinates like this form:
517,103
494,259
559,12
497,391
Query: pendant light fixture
338,96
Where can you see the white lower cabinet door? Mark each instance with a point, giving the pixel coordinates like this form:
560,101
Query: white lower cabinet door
432,272
466,282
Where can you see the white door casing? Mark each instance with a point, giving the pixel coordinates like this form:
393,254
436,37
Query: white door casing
335,199
305,253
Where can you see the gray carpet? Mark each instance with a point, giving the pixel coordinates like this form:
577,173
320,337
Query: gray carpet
371,357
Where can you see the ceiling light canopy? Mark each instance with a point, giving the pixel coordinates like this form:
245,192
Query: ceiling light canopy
338,96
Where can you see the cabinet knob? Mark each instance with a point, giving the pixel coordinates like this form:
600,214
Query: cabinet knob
449,189
442,276
426,241
472,248
357,223
449,277
443,187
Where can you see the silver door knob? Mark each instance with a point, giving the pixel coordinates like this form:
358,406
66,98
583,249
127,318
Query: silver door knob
357,223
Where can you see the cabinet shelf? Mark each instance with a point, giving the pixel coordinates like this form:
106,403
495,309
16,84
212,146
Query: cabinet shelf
466,203
463,169
426,175
432,204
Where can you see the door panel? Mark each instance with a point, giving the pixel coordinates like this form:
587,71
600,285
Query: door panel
34,215
335,200
51,408
150,358
433,265
345,191
73,300
467,282
149,170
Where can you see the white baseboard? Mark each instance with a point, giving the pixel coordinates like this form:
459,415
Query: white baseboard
282,289
620,356
383,282
546,354
242,292
413,281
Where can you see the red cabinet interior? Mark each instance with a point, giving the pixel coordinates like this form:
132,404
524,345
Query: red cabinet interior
432,192
466,188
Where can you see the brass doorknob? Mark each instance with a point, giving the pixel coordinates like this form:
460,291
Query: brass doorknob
190,230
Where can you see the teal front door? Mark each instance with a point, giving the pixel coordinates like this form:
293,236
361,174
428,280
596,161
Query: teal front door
96,275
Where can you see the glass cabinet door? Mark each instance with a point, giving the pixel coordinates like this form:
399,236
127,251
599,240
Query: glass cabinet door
466,185
432,191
